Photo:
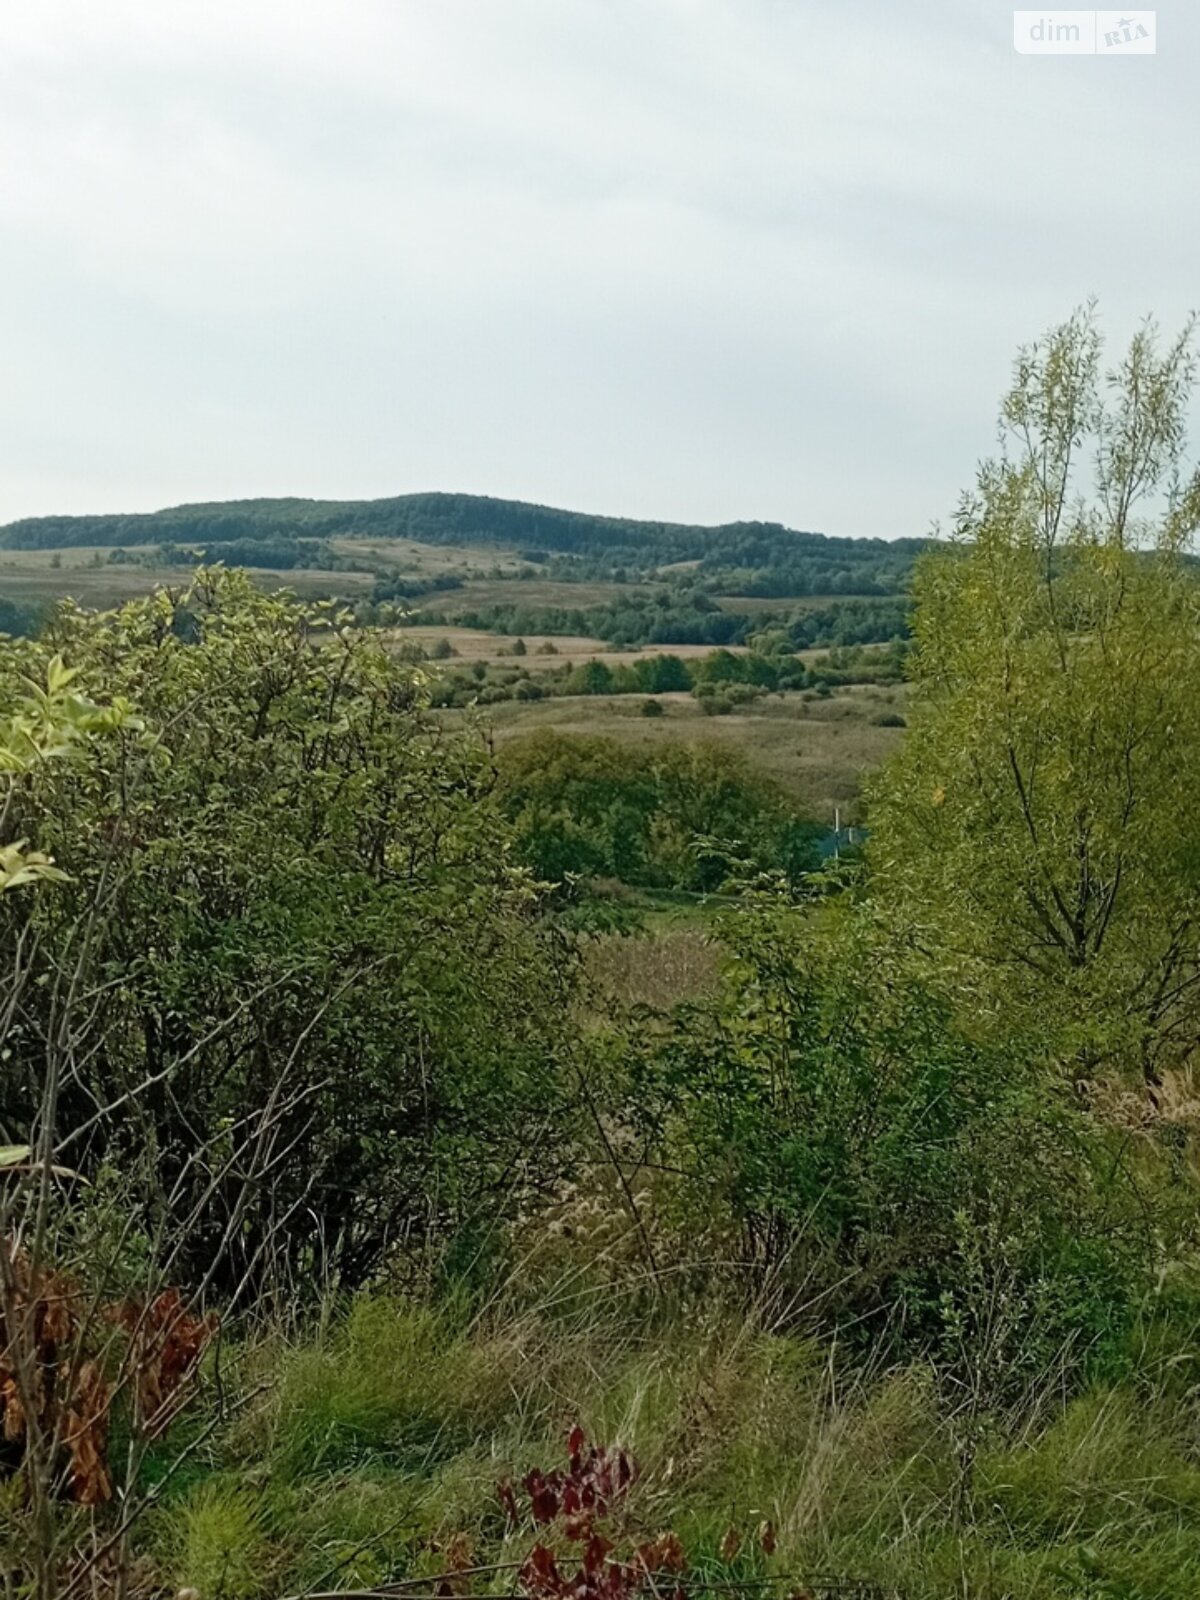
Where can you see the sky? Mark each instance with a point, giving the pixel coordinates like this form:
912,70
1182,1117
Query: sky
702,260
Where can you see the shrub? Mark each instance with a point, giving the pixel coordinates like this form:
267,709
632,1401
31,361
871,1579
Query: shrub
306,904
680,817
828,1111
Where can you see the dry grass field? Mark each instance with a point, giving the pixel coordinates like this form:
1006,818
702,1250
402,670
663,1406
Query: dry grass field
674,961
428,560
474,644
488,574
33,575
818,749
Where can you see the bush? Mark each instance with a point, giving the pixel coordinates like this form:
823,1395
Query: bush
685,817
306,904
870,1157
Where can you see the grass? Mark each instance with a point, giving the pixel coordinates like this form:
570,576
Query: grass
571,649
676,960
382,1441
31,575
217,1544
819,749
428,560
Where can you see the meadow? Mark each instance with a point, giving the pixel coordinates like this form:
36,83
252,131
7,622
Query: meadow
85,574
543,651
817,748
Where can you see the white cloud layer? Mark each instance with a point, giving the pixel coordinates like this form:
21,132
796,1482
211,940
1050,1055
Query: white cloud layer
690,258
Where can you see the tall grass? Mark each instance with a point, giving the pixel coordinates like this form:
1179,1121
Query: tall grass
382,1439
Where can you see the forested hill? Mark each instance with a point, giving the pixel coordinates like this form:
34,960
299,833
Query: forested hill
470,519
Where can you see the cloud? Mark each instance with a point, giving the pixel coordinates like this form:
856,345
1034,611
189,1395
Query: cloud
694,258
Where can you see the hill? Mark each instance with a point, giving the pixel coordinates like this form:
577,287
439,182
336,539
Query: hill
824,564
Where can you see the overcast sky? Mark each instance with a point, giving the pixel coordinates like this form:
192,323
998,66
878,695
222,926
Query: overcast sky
695,259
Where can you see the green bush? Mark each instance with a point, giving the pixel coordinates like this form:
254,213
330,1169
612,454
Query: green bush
308,913
833,1124
686,817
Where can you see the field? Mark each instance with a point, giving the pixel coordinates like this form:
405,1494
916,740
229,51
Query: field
86,575
527,591
428,560
819,749
489,575
474,644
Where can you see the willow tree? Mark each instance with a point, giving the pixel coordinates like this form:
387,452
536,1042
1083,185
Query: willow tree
1040,828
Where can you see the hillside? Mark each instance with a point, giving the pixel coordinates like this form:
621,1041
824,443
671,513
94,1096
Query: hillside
461,519
550,612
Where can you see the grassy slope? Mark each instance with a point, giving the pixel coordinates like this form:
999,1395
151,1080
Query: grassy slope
474,644
377,1445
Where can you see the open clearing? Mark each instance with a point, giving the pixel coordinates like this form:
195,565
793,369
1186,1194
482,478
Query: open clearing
818,749
31,575
428,560
474,644
478,592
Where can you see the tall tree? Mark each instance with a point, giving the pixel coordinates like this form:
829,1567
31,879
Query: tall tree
1039,826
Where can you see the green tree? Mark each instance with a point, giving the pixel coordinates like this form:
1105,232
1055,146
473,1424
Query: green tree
687,816
1037,827
593,677
662,674
835,1128
42,722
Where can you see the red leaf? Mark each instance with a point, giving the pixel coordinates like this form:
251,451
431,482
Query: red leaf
539,1575
597,1549
543,1501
